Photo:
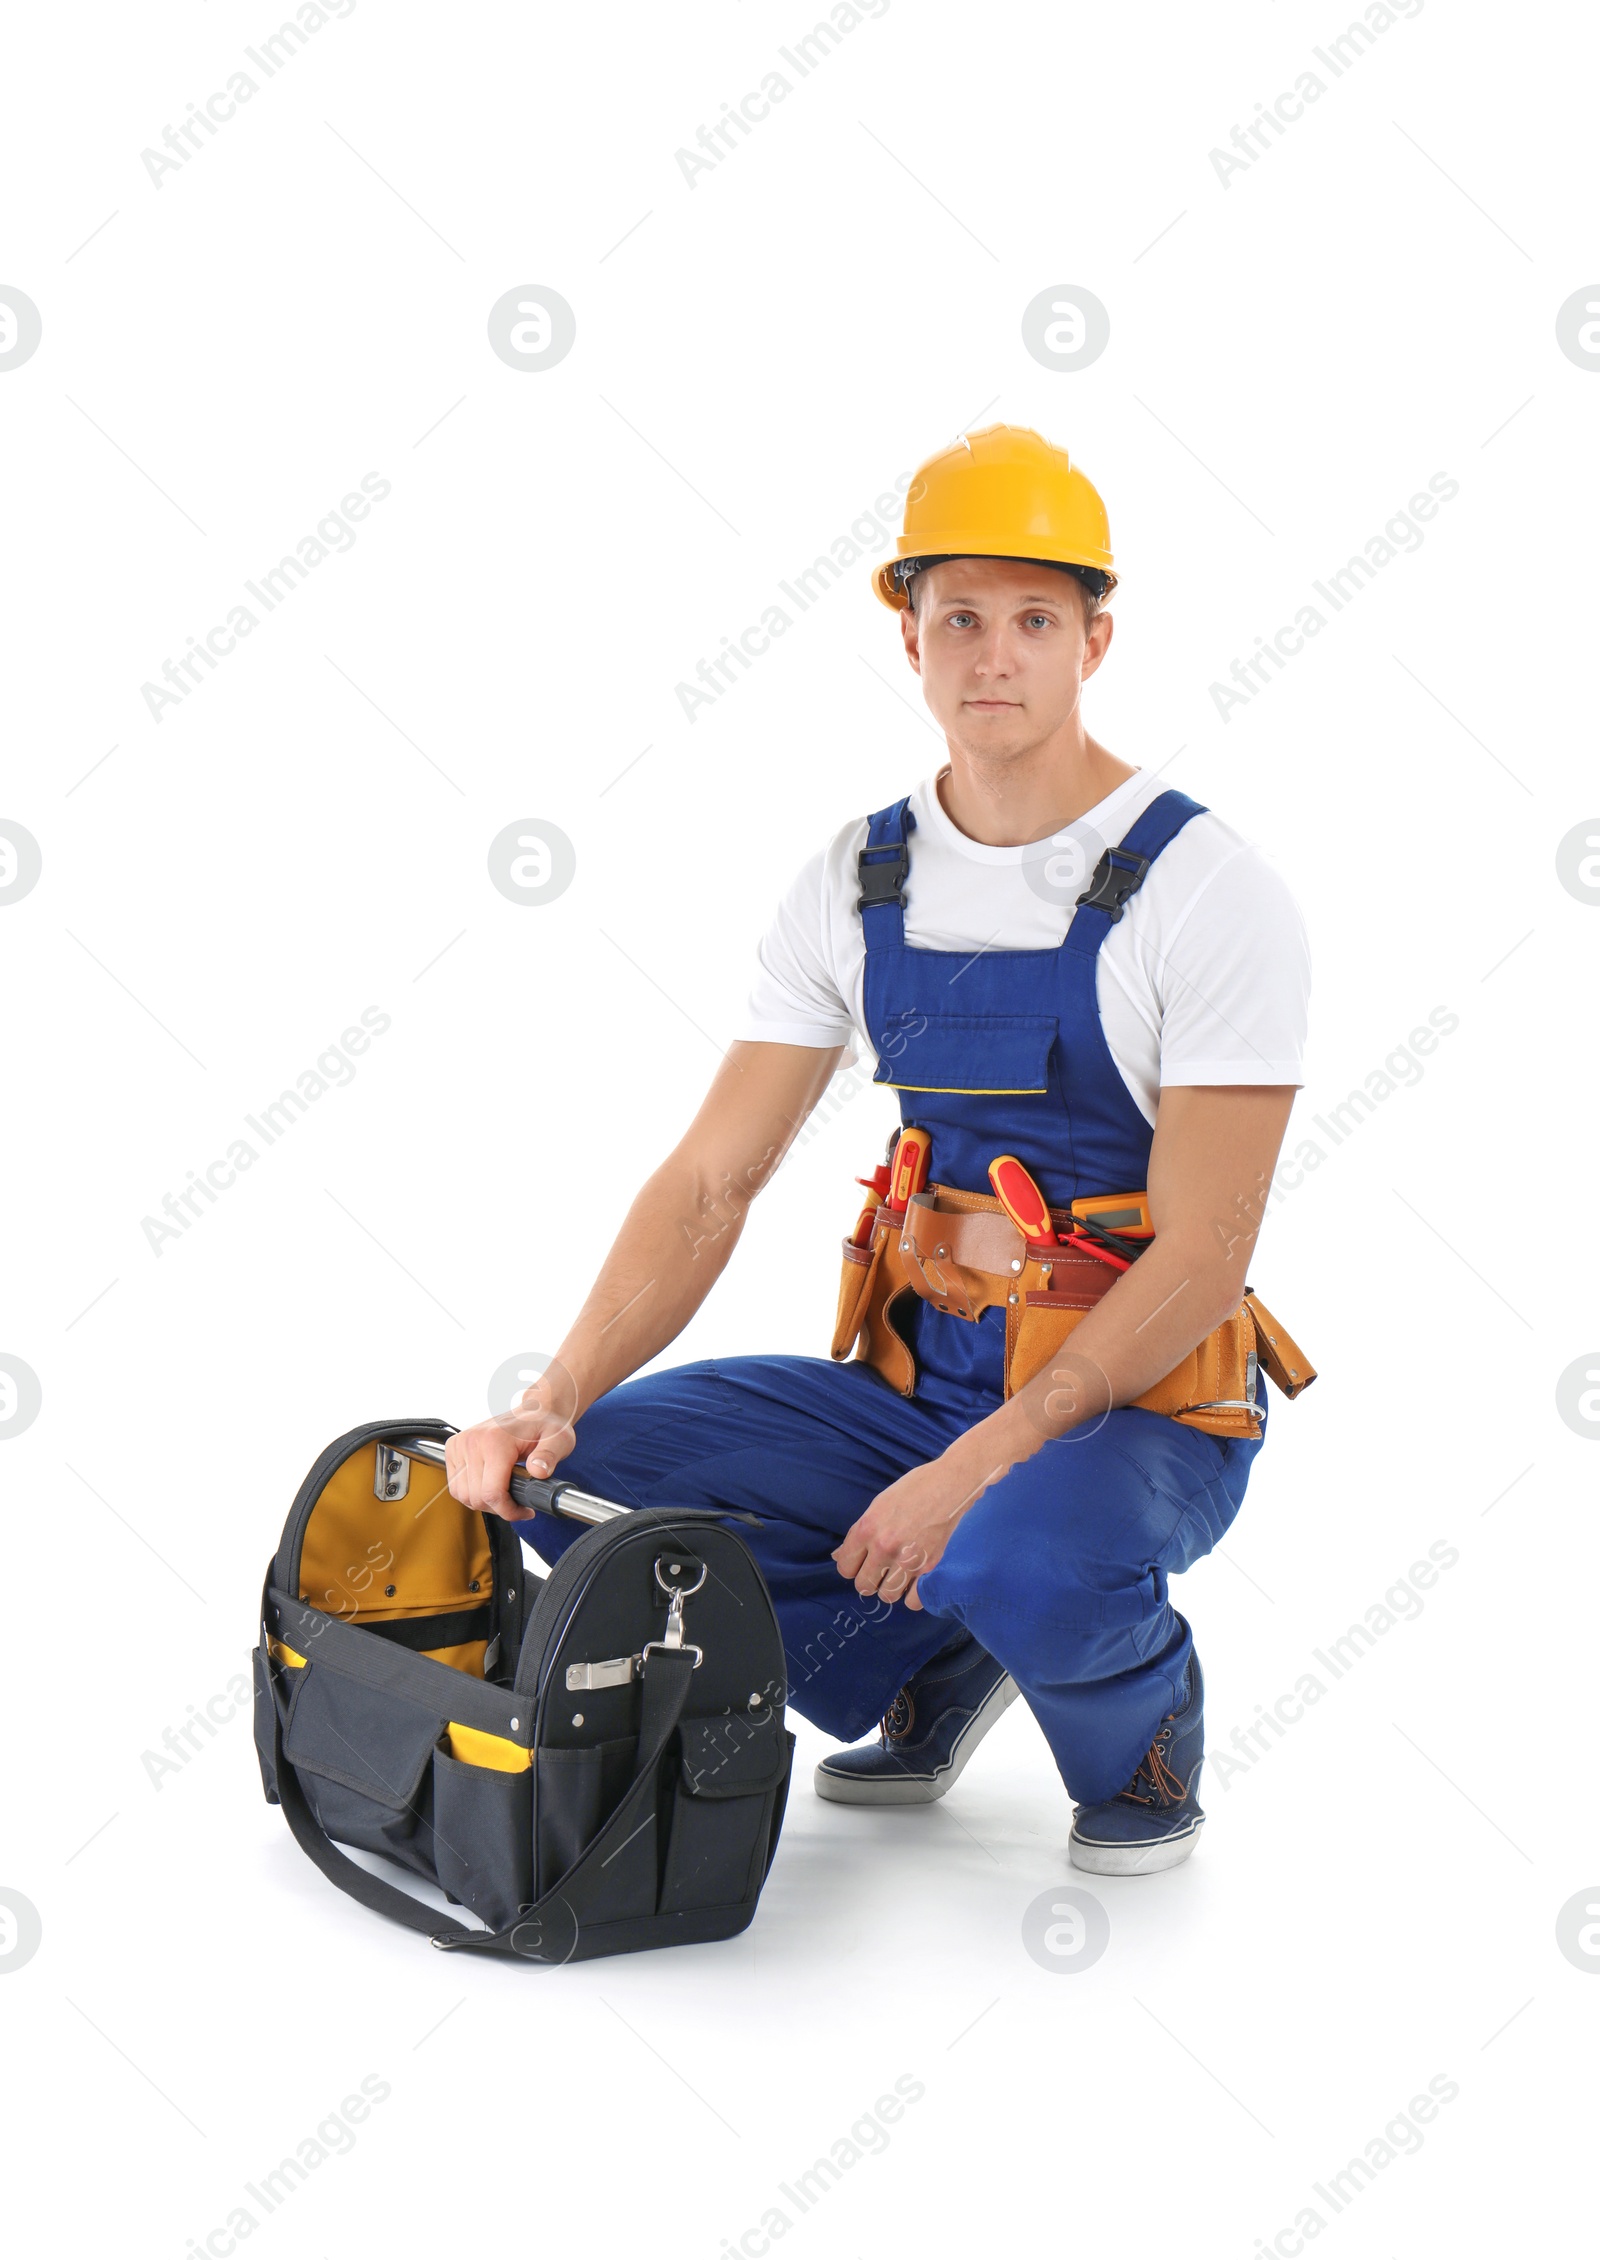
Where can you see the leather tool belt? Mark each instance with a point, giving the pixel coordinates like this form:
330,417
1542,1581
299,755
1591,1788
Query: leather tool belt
962,1253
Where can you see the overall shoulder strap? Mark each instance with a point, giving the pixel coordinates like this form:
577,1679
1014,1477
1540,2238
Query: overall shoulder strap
1121,870
881,867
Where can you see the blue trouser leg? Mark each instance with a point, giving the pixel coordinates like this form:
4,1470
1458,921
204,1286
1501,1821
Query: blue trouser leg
1060,1569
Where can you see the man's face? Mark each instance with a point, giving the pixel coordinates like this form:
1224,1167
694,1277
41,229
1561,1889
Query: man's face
1002,651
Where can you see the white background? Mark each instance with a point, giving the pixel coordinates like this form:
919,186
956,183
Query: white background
1292,355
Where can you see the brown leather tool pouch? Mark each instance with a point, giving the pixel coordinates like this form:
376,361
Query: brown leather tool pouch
961,1256
1212,1387
871,1280
1208,1389
860,1267
1039,1322
1278,1350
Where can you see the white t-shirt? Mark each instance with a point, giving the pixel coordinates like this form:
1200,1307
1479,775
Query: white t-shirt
1204,979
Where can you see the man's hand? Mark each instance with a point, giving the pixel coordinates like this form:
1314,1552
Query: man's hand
907,1528
479,1461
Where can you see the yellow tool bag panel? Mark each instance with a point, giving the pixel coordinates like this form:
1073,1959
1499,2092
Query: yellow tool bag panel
592,1762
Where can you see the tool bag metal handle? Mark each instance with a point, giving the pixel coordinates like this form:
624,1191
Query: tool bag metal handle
549,1494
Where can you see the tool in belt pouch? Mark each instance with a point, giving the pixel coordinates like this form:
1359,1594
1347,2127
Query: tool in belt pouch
593,1762
960,1252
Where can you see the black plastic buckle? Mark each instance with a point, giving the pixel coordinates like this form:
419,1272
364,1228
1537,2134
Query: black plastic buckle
1117,875
882,882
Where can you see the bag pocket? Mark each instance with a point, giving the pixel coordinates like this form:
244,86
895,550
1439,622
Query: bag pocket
483,1837
937,1052
857,1272
1221,1376
1215,1369
577,1792
577,1789
363,1756
730,1771
1042,1325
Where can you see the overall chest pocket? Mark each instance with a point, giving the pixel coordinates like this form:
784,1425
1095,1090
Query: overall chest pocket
1003,1054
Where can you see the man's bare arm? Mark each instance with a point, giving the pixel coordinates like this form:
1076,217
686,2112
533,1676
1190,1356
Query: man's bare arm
673,1246
686,1219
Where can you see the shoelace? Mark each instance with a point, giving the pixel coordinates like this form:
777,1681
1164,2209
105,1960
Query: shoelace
1164,1786
897,1719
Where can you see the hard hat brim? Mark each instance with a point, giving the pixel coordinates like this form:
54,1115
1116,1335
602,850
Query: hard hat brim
890,591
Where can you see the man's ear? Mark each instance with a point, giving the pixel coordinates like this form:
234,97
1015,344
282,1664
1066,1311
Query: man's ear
911,640
1096,643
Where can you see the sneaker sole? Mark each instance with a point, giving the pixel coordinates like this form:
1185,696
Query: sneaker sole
1133,1859
912,1788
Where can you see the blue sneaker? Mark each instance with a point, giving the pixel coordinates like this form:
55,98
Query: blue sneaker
929,1732
1156,1821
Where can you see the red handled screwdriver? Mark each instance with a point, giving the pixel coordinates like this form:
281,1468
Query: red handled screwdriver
1020,1197
910,1169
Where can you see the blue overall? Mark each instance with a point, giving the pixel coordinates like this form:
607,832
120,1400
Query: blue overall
1060,1569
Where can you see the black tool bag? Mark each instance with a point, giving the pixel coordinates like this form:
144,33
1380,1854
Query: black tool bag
593,1763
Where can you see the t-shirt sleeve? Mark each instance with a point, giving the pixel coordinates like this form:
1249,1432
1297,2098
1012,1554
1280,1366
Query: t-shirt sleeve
795,997
1235,981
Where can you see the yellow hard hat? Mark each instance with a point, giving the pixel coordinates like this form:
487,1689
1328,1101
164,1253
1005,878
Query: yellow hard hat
1001,492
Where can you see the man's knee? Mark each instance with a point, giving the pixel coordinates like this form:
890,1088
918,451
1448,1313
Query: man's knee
1054,1557
1051,1599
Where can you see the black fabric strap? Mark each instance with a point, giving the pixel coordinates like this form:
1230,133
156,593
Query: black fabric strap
418,1633
390,1670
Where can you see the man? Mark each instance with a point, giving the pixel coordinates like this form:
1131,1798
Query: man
1049,1414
